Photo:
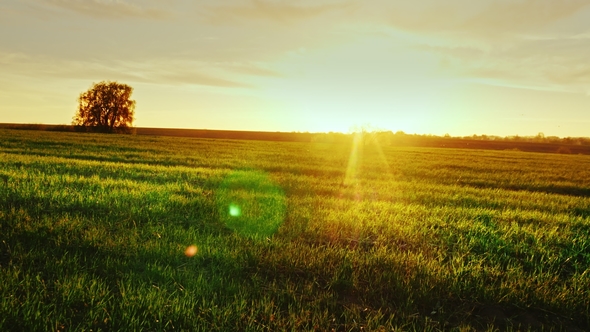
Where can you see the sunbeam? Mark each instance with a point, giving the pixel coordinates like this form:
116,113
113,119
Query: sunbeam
354,161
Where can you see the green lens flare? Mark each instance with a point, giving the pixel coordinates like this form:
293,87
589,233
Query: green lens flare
251,204
234,210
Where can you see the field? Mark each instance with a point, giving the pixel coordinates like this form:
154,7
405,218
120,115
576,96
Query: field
94,232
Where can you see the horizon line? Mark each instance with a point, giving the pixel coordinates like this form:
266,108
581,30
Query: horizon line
7,125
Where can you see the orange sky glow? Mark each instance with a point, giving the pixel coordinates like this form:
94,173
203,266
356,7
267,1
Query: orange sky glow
496,67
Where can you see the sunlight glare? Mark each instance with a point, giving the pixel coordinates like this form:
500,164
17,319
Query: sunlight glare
353,160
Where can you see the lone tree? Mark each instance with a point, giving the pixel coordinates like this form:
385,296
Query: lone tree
106,107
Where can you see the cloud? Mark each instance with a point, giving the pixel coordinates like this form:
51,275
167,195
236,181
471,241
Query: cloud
543,64
252,69
535,44
460,52
232,43
146,71
175,73
521,16
482,18
284,12
579,75
196,78
109,8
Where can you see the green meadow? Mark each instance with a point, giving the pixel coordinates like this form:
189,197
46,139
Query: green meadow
290,236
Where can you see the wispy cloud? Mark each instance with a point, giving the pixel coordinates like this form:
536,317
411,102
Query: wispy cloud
555,64
521,16
284,11
110,8
147,71
252,69
537,44
465,53
195,78
481,18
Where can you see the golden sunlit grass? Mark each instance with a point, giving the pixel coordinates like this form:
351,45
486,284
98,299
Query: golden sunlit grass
145,233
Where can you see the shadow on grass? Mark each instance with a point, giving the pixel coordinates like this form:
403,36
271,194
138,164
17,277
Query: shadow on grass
549,189
68,281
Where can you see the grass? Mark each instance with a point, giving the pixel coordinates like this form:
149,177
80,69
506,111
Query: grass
290,236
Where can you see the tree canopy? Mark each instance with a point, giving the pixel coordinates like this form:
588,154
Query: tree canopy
106,107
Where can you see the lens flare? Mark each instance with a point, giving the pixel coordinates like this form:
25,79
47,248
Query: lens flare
251,204
234,210
191,250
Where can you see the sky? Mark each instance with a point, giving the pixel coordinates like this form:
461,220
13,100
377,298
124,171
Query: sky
462,67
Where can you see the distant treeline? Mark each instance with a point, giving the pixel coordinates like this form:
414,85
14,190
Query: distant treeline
538,143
